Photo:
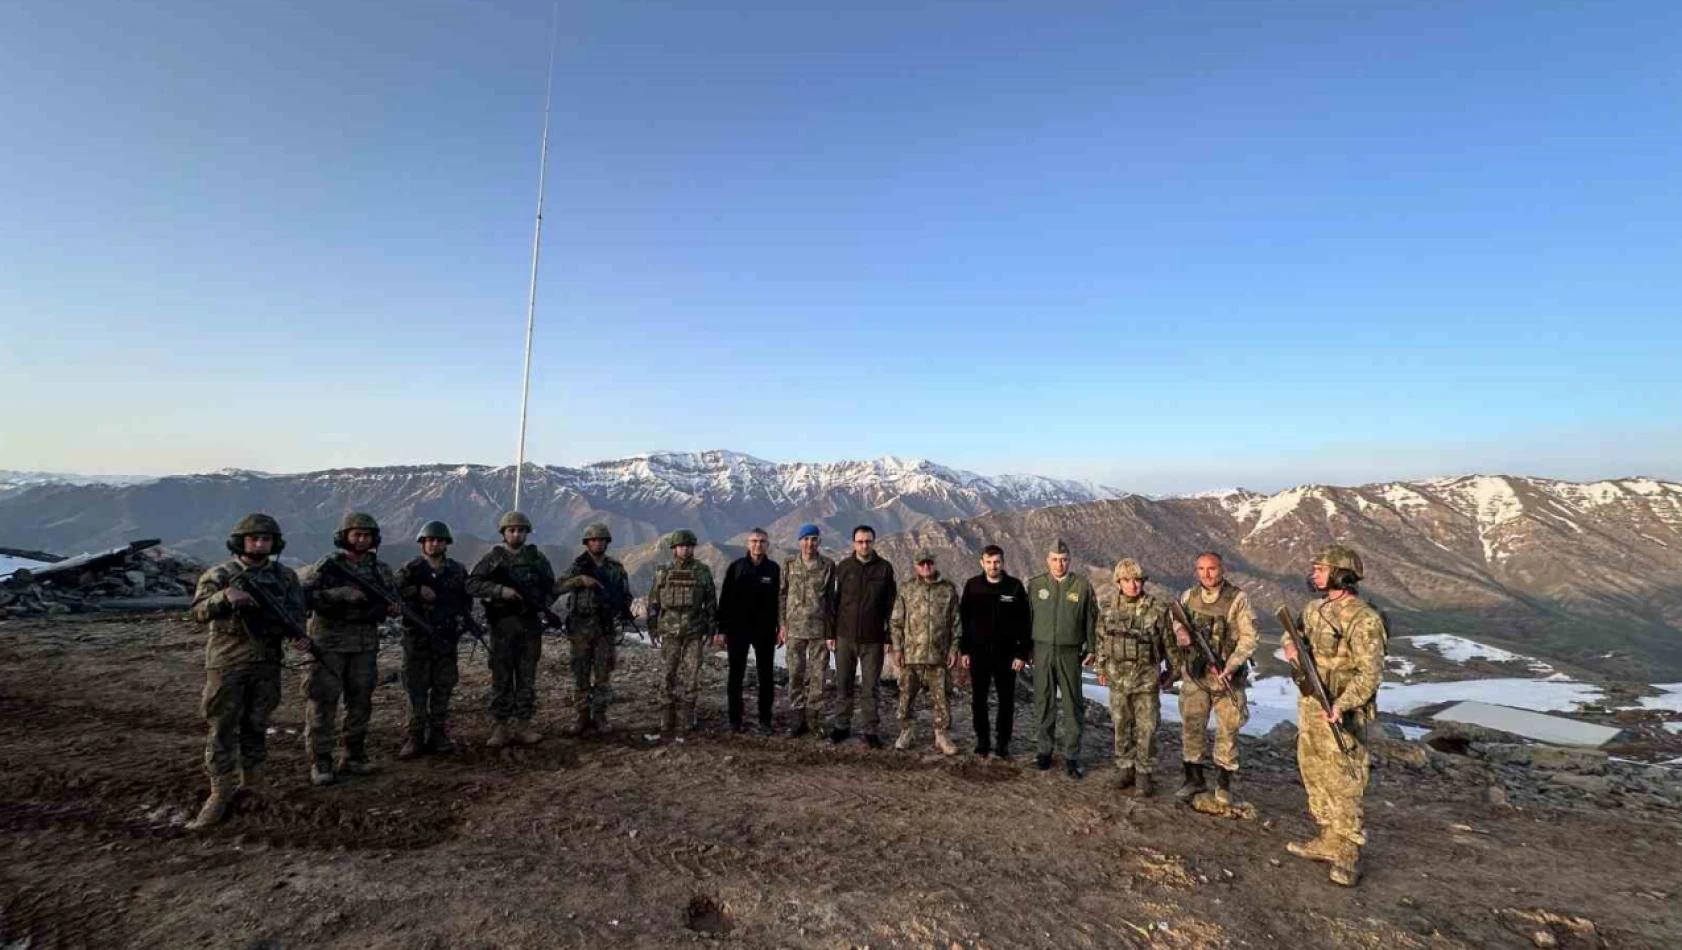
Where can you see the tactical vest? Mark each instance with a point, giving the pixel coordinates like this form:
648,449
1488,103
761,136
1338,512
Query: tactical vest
368,610
1133,640
1211,619
678,594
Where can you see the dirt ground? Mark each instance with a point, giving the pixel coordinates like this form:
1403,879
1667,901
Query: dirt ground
753,842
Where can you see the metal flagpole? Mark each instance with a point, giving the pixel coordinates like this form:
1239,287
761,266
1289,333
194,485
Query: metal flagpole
536,249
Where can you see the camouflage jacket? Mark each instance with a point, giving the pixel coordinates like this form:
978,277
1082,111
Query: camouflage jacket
1228,622
925,622
593,609
802,604
448,583
526,570
683,601
247,635
1348,638
1134,638
338,622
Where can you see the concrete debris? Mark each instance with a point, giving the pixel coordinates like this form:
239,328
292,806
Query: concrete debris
136,576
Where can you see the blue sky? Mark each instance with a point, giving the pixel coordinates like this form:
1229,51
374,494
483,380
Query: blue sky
1171,247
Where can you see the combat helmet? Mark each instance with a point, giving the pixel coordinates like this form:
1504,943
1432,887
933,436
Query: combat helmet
355,521
1128,569
598,532
1346,568
682,536
256,523
513,519
434,529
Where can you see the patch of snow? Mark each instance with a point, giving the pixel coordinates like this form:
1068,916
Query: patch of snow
1674,728
1279,506
1670,698
1402,497
1459,650
1537,695
1400,665
1413,733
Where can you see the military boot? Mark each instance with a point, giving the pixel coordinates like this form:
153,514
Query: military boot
525,734
905,736
799,728
668,720
356,761
943,742
1192,784
1346,865
1322,847
440,741
215,805
252,780
1124,777
321,772
414,744
499,735
585,724
1223,785
1144,786
598,719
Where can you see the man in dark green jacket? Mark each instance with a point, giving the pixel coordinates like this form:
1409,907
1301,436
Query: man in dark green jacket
1064,614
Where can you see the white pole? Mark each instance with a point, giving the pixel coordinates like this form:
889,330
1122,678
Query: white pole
536,249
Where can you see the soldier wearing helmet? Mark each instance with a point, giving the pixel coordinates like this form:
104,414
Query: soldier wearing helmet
1221,611
517,584
345,625
600,598
434,585
682,607
242,659
1135,638
1348,637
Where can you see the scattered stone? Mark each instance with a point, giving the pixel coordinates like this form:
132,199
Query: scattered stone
1284,734
1593,784
1547,757
1496,796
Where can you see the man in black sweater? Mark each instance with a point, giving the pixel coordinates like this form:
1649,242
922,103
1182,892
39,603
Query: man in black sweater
861,601
995,643
747,617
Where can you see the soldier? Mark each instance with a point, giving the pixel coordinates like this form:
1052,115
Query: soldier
1134,641
925,627
861,600
996,643
1064,617
242,658
1221,611
747,617
803,607
682,609
1348,637
517,584
434,585
345,625
601,598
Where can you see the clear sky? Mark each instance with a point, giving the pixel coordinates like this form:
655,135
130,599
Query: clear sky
1168,246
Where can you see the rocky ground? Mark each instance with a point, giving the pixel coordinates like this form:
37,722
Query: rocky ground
762,842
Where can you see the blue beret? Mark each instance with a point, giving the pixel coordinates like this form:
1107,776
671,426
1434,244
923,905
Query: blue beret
809,531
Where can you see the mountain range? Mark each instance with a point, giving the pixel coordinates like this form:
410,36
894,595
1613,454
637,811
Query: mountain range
1589,574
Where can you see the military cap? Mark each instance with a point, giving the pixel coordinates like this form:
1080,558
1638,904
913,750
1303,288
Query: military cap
1058,547
809,531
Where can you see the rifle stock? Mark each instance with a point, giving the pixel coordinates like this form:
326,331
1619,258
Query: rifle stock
1310,682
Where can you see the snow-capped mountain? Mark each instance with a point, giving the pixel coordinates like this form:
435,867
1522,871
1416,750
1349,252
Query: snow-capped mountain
719,494
11,481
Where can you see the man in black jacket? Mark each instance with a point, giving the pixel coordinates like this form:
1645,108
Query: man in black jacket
860,603
995,643
747,617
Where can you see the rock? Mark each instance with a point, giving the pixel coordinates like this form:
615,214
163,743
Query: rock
1593,784
1284,734
1496,796
1387,730
1457,738
136,581
1410,754
1546,757
1542,938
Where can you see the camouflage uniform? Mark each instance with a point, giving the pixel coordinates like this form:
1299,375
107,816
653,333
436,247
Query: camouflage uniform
1134,638
242,661
516,628
593,632
1230,625
430,670
347,632
1348,639
682,607
805,618
925,627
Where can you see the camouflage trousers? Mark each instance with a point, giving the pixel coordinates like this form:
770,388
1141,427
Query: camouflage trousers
430,674
917,677
808,667
1336,783
1136,716
681,658
347,676
516,646
595,653
1197,699
238,701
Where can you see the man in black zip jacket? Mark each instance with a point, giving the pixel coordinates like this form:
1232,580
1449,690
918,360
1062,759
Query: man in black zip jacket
996,642
747,617
861,601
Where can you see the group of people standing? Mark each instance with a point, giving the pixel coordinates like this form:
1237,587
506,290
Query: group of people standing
812,606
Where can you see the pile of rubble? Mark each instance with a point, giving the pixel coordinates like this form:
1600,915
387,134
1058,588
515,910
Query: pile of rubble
150,577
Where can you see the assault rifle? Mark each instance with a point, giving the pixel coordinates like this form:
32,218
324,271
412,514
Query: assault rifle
616,599
537,600
464,615
1216,662
268,605
1308,677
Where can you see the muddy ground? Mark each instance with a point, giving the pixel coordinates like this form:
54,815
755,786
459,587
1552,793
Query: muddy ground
748,841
